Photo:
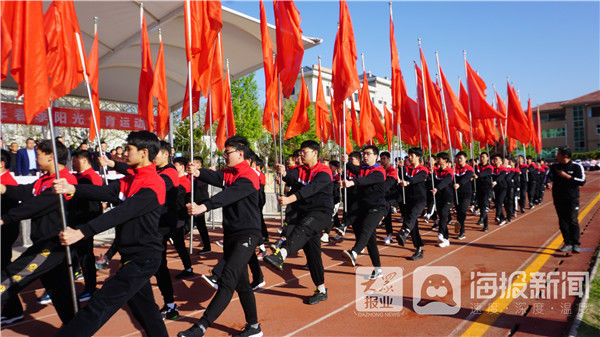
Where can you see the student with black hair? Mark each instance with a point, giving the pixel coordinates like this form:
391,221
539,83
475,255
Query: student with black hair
200,196
241,234
533,182
391,193
416,197
509,200
334,166
139,198
463,173
565,178
351,206
313,199
46,258
500,187
370,189
483,176
444,194
86,210
523,182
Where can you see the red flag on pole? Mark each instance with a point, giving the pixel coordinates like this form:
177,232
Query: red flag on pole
434,105
532,133
226,127
389,128
458,120
5,46
290,48
28,62
355,129
64,64
399,95
159,90
271,111
377,124
216,97
538,133
480,108
322,122
145,103
344,78
517,126
367,128
463,97
299,123
93,76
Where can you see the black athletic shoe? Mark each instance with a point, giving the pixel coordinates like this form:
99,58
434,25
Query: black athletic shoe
317,297
576,249
484,229
257,284
275,259
186,273
249,331
194,331
169,313
565,248
211,281
402,236
417,255
348,254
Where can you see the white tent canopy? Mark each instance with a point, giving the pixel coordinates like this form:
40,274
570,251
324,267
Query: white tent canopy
120,53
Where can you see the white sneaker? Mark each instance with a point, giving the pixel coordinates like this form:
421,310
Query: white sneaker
325,238
444,243
441,237
363,250
388,240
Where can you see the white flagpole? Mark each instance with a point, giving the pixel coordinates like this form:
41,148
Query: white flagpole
427,123
191,112
469,105
280,153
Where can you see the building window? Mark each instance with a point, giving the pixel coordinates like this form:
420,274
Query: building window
327,91
595,111
355,97
553,133
598,127
553,116
578,129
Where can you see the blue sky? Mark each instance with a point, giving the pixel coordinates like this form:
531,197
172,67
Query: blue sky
550,50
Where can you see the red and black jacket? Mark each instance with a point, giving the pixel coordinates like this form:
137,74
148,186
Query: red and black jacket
84,209
524,169
41,205
6,204
391,180
139,198
239,198
443,182
370,185
484,176
184,189
313,188
416,189
262,180
499,176
463,176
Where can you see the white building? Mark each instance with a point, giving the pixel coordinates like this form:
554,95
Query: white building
379,87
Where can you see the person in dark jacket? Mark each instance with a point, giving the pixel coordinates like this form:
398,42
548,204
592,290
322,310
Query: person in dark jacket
416,198
565,178
444,195
313,199
200,196
26,163
500,185
483,176
139,197
241,234
46,258
391,193
463,174
532,188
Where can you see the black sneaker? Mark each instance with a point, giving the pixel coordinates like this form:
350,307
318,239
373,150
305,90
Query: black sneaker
169,313
257,284
484,229
211,281
576,249
78,275
348,254
417,255
8,320
194,331
402,236
341,230
462,237
249,331
377,272
85,296
565,248
186,273
275,259
317,297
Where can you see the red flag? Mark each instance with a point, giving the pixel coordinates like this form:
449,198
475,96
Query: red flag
500,105
159,90
367,128
532,132
389,129
185,111
344,78
480,108
347,142
538,133
337,127
93,76
355,129
64,64
215,108
5,46
434,105
463,97
145,103
399,95
290,48
28,64
458,121
226,127
204,18
322,123
512,144
271,111
377,124
517,126
299,122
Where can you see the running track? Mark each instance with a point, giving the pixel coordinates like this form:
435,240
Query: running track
527,243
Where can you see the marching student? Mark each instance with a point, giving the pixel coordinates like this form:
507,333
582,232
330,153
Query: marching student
391,195
524,181
565,178
509,200
416,197
500,188
86,210
464,188
334,166
430,206
139,198
370,190
533,182
241,234
291,215
46,259
257,165
313,199
483,176
351,206
444,194
543,170
200,196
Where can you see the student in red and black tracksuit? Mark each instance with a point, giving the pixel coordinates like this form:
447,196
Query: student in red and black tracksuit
416,198
46,259
139,198
200,196
444,195
86,210
565,178
523,182
483,174
500,188
256,164
313,199
13,310
391,196
334,166
430,206
401,169
543,170
509,200
370,188
291,215
241,234
462,184
532,182
351,206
